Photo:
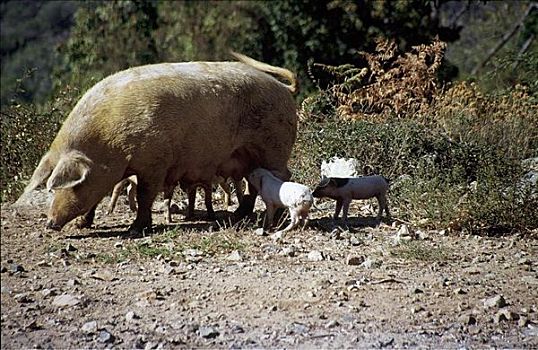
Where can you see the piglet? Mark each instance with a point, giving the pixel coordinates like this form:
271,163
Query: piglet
345,189
279,194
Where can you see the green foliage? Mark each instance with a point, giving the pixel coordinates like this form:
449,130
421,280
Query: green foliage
107,37
30,31
457,164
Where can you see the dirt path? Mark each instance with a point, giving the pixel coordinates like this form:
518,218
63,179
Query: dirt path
207,285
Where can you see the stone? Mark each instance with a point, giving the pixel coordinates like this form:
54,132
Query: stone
354,260
315,255
496,301
130,316
235,256
259,232
66,300
89,327
208,332
105,336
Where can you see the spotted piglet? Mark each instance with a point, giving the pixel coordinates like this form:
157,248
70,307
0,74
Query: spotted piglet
345,189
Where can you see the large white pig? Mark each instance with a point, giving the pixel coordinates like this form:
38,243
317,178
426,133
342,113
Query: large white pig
169,123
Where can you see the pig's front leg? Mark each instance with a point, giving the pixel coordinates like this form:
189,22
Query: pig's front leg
145,198
86,221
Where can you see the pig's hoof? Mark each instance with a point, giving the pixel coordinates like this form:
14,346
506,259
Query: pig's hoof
82,223
52,226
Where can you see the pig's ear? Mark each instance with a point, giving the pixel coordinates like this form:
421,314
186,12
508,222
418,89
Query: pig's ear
72,169
41,173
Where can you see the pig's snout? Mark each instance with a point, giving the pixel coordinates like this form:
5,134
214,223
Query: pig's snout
53,226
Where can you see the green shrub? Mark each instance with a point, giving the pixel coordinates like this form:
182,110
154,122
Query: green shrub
27,131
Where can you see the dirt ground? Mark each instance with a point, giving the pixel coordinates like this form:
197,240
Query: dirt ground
206,284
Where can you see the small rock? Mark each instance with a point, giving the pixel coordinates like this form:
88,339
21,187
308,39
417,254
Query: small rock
70,248
73,282
260,232
505,315
47,292
208,332
416,309
193,252
130,316
89,327
467,319
523,321
235,256
315,255
297,328
14,268
524,261
459,291
288,251
23,298
332,324
277,236
354,260
370,263
105,336
65,300
496,301
354,241
236,329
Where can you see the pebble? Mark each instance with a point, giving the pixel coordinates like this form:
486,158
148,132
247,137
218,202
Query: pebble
65,300
130,316
260,232
14,268
208,332
370,263
315,255
354,241
105,336
496,301
288,251
332,324
467,319
70,248
235,256
354,260
89,327
505,315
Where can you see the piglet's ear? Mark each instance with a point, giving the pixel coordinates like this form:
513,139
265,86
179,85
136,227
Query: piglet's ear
324,181
72,169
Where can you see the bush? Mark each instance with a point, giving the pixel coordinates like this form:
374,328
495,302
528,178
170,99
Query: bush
455,157
27,131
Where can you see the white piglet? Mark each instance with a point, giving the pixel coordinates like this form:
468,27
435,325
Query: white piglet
345,189
280,194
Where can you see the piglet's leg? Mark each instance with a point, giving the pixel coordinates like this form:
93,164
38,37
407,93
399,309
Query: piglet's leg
346,203
270,214
168,194
338,208
294,220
